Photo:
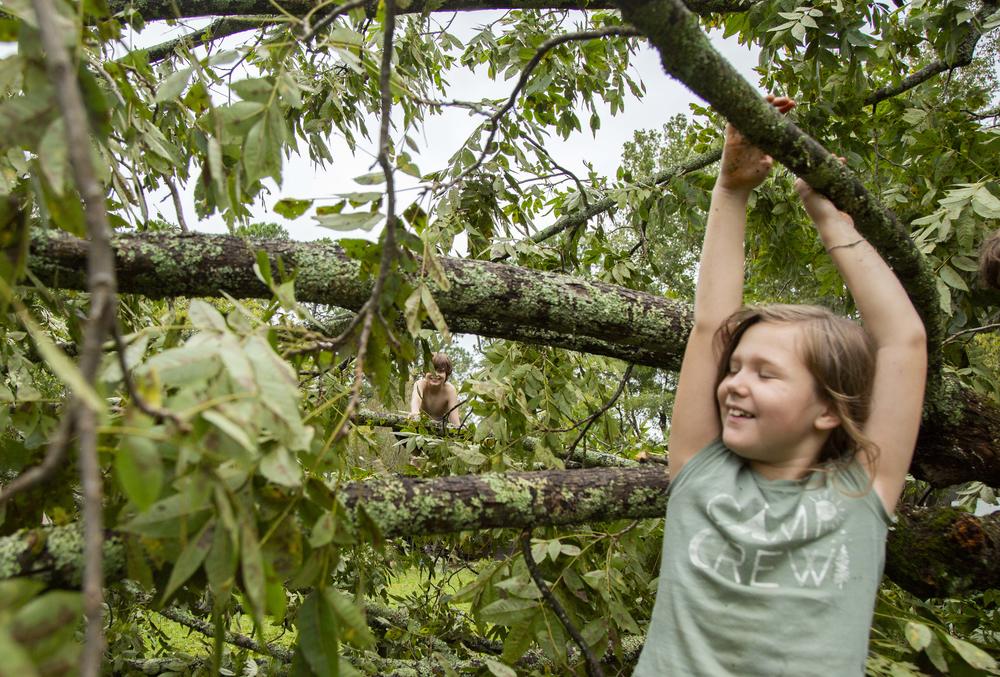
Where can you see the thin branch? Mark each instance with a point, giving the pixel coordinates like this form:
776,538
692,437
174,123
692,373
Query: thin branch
389,236
102,285
963,57
579,184
218,29
543,49
607,405
328,19
593,665
138,400
178,205
204,627
583,215
975,330
53,460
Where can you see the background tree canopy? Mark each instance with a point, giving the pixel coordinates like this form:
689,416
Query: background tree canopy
196,455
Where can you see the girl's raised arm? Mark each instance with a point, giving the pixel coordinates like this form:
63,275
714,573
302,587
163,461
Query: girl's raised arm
900,338
695,419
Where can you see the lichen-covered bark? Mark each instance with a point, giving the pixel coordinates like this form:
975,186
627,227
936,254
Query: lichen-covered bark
153,10
687,54
943,552
587,459
939,551
959,439
558,309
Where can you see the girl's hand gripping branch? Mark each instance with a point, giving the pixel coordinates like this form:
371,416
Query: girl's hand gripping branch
744,166
719,293
900,339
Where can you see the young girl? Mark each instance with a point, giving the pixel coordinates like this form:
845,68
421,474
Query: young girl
792,433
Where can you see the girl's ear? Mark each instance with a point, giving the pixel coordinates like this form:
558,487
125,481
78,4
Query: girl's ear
828,418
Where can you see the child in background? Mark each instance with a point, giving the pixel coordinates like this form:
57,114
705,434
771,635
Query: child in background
793,430
433,395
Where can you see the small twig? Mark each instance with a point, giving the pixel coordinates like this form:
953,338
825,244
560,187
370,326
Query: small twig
975,330
582,215
325,21
596,414
494,122
593,665
178,205
579,184
53,460
204,627
138,400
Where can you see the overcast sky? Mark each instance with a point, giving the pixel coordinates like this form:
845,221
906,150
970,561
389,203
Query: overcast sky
445,133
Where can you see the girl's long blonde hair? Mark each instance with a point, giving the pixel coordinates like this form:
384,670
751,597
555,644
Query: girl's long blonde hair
839,354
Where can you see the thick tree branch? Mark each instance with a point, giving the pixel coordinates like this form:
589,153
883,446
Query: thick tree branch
153,10
931,552
959,439
587,459
687,54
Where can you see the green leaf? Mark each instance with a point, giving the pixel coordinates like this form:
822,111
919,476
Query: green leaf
508,611
172,87
255,149
221,561
345,222
434,312
323,530
986,204
162,519
279,467
140,470
498,669
318,635
53,155
918,635
951,278
353,628
16,661
233,431
190,559
204,316
291,208
411,312
253,89
935,652
972,654
252,568
372,179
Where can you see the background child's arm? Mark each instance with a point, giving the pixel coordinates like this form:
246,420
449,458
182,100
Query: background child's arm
453,418
695,419
416,401
900,369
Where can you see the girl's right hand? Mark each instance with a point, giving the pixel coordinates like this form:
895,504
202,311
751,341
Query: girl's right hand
744,166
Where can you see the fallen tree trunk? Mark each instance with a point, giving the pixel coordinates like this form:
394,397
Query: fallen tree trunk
959,439
931,552
400,422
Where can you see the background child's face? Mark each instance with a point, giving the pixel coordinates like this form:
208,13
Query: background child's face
436,378
768,399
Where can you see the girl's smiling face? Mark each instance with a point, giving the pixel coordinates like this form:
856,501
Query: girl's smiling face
771,412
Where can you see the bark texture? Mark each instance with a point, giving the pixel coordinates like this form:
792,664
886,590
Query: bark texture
959,439
931,552
154,10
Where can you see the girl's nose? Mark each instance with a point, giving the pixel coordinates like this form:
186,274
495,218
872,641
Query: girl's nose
736,382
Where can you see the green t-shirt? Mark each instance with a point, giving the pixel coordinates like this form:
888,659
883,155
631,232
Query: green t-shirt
765,577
